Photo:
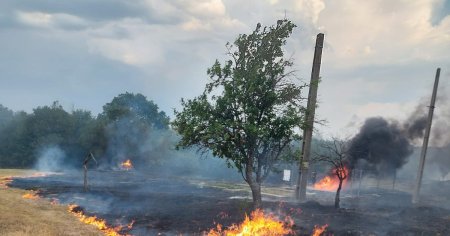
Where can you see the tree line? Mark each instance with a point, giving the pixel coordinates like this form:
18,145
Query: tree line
77,132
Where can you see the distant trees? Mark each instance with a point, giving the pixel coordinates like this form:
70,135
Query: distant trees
130,122
248,112
22,135
136,108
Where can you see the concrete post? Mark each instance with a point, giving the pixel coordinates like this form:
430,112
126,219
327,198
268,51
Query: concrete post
302,180
415,198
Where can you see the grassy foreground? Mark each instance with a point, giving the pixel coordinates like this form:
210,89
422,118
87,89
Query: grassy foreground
21,216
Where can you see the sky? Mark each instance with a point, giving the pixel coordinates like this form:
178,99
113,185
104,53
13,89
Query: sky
379,58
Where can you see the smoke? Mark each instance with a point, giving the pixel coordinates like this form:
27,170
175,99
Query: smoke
380,145
152,150
50,159
440,136
384,146
416,124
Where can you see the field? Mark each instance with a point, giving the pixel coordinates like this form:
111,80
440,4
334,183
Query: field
21,216
174,206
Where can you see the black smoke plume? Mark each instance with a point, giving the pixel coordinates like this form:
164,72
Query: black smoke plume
380,145
384,146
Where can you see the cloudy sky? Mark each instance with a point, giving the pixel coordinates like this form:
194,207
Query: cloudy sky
379,59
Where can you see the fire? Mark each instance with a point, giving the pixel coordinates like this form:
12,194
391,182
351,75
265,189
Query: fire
256,224
31,195
331,183
127,165
5,181
97,222
318,230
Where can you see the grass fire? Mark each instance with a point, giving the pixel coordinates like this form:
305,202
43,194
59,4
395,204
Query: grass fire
30,196
126,165
98,223
257,224
225,118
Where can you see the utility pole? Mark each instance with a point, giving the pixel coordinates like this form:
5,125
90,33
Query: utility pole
300,192
415,198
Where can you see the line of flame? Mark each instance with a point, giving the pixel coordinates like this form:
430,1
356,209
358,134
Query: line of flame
97,222
256,224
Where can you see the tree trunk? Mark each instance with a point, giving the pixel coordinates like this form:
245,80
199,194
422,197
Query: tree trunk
85,178
338,193
256,194
254,183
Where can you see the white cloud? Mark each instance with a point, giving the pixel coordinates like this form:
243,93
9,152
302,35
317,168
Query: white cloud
310,9
47,20
393,31
208,8
143,45
38,19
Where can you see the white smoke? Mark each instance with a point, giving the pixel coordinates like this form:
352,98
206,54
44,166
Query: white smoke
50,159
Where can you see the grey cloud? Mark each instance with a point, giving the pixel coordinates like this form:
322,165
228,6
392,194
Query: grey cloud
440,11
94,10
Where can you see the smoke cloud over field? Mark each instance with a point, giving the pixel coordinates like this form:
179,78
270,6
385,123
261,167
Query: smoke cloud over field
380,145
385,145
51,159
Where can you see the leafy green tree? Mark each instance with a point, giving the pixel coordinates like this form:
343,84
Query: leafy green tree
14,143
131,121
49,125
248,112
137,108
6,116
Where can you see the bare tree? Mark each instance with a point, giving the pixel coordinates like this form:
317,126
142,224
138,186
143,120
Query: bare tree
335,153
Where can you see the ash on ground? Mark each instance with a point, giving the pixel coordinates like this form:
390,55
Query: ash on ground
173,206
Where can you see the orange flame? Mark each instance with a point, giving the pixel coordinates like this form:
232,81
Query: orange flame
5,181
97,222
318,230
256,224
127,165
331,183
31,195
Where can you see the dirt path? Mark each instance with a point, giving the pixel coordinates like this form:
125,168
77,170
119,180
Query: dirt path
20,216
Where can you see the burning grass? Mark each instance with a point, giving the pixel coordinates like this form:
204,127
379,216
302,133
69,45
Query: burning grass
257,224
127,165
31,195
97,222
261,224
319,230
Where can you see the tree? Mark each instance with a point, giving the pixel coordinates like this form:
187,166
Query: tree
49,125
134,128
249,110
335,153
137,108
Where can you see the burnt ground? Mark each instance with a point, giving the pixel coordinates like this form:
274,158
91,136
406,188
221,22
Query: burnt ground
173,206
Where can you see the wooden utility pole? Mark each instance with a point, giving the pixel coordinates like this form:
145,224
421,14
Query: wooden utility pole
415,198
85,163
300,192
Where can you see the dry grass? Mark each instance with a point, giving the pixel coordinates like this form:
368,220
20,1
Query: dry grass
19,216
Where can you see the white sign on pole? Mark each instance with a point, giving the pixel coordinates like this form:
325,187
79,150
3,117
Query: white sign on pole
287,175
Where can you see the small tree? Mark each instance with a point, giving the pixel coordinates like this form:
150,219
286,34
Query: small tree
248,112
335,153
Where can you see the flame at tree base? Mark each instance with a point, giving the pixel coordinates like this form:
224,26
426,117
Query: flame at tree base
331,183
256,224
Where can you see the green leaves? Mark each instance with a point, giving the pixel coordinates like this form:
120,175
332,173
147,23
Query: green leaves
136,107
249,109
